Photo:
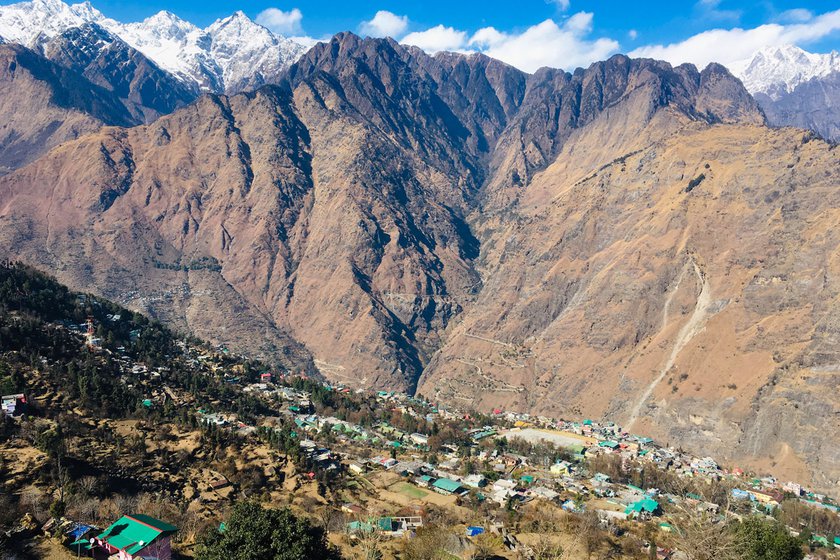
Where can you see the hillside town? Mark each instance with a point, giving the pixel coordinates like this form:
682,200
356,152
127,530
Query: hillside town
432,454
204,429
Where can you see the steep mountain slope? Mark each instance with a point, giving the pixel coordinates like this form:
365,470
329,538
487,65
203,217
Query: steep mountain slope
43,104
689,289
556,242
231,55
255,222
795,87
146,91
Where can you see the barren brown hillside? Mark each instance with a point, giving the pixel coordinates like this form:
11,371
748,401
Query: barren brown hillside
627,241
688,289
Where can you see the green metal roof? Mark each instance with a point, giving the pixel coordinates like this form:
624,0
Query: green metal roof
647,504
447,484
127,532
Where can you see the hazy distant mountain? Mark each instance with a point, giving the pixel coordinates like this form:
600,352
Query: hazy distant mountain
230,55
795,87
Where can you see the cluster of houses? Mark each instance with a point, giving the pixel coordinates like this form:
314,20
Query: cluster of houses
13,405
516,478
512,478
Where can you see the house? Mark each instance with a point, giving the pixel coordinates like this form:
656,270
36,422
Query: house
136,536
644,508
419,439
504,484
561,468
739,494
384,524
13,404
447,486
764,498
544,493
424,481
475,481
80,535
356,467
354,509
266,378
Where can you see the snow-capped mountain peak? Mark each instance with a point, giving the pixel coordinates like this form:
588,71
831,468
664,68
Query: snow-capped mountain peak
779,69
24,21
232,54
165,24
248,53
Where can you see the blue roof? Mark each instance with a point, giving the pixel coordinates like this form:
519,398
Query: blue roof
78,530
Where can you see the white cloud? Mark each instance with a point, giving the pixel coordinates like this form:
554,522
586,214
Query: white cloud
796,15
545,44
562,5
549,44
487,37
437,38
730,45
384,24
284,23
710,10
632,34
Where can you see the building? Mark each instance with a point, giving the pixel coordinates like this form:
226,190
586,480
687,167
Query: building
13,404
137,536
561,468
447,486
419,439
475,480
643,509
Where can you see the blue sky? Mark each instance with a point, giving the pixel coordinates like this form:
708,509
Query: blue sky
530,33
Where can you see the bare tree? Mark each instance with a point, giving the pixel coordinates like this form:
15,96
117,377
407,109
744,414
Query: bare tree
590,532
702,535
485,546
370,541
546,549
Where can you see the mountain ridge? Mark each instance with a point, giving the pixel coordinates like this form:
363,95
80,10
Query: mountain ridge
452,226
204,59
795,87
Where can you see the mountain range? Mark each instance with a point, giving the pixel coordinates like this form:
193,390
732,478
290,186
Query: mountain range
630,241
795,87
230,55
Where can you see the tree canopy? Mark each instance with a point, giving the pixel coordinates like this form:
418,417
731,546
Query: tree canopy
760,539
254,532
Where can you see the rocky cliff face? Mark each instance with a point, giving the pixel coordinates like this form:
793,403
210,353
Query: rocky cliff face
627,241
813,105
795,87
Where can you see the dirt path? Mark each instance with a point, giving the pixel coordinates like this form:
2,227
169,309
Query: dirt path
692,327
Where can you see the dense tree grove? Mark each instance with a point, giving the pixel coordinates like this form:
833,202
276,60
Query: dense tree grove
760,539
253,532
41,327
